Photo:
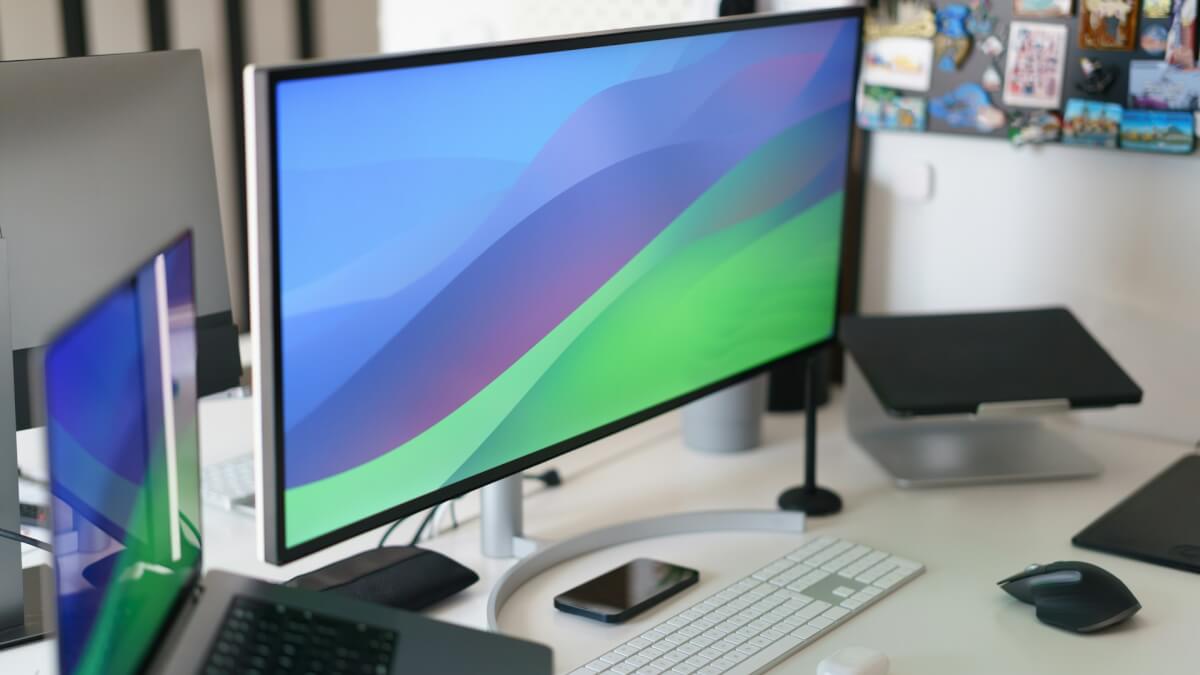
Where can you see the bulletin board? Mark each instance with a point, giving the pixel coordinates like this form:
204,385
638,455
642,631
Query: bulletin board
1118,62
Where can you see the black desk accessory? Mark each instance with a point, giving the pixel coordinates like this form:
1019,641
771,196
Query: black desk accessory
1160,523
735,7
995,371
1075,596
953,363
404,577
810,498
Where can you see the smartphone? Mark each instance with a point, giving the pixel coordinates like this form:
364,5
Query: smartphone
621,594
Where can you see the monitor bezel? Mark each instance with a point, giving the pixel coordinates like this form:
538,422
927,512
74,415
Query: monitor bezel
260,84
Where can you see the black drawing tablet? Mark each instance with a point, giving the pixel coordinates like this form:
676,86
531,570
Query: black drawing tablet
1160,523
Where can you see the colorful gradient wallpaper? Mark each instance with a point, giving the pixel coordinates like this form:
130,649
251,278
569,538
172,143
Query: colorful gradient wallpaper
483,259
125,474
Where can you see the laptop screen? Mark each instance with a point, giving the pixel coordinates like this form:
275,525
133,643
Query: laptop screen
124,465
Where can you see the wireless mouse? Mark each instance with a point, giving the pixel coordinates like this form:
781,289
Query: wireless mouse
1074,596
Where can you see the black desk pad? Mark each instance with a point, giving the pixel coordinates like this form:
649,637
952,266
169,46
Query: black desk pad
1160,523
950,363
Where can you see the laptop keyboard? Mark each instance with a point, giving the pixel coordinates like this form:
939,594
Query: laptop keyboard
264,638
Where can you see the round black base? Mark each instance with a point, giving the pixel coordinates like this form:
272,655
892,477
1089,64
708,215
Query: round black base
816,502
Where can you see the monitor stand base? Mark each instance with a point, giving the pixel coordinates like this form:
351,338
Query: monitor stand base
814,502
39,587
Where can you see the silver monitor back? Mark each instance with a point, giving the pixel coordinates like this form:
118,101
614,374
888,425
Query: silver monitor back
103,160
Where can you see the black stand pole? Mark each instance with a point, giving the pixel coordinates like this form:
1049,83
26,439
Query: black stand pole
811,499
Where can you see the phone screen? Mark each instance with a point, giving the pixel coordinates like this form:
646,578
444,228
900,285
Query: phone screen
623,592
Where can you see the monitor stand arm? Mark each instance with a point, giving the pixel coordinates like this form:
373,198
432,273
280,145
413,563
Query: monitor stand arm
501,519
21,591
810,498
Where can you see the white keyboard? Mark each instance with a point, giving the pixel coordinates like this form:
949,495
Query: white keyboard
230,484
762,619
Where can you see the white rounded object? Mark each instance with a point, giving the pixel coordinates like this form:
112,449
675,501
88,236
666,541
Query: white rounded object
855,661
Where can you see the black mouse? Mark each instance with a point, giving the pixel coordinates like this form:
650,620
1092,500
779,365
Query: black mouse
1074,596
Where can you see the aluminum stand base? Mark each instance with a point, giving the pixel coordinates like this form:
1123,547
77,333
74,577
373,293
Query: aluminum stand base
959,450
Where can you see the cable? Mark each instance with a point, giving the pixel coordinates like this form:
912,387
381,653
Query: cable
550,479
424,524
388,532
30,541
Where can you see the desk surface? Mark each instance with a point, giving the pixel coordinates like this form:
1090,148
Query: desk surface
952,620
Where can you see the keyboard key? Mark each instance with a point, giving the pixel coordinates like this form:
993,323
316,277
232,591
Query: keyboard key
836,613
876,572
674,656
748,649
737,656
772,634
805,632
676,639
760,641
626,650
772,569
889,580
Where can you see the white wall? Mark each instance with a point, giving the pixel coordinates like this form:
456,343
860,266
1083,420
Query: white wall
1114,236
409,25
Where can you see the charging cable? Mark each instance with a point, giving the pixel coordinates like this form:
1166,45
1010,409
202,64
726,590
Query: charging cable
30,541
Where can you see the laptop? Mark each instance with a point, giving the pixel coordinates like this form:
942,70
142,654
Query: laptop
125,476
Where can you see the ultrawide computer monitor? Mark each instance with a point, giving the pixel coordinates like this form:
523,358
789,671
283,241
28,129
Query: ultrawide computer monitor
471,261
124,465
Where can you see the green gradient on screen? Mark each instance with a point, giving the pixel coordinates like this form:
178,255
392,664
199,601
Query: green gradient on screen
718,298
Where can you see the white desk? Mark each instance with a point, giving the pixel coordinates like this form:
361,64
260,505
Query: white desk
953,620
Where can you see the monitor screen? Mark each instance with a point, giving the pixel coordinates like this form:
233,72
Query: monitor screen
124,466
487,257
